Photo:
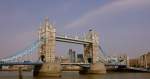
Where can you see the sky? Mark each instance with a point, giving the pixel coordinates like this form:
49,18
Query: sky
123,25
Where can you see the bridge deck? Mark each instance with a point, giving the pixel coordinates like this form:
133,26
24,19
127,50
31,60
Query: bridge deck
32,63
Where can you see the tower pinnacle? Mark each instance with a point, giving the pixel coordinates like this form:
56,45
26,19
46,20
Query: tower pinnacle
46,22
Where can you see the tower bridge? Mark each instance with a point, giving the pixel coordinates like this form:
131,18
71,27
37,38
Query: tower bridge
48,65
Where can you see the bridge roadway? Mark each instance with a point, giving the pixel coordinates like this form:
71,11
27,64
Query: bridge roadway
39,63
21,63
87,65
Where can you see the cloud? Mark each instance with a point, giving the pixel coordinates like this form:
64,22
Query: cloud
119,23
110,9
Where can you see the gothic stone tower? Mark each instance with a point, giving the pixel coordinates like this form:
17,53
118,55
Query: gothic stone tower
47,37
50,66
91,53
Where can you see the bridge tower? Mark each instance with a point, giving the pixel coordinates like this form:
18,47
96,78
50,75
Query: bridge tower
91,53
47,37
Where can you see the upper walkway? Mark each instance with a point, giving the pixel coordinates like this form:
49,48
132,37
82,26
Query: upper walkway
75,40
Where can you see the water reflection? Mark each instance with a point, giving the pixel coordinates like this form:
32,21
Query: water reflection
76,75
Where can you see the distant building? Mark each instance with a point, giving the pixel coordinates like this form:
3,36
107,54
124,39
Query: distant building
148,59
142,61
124,60
65,60
80,58
112,60
134,63
72,56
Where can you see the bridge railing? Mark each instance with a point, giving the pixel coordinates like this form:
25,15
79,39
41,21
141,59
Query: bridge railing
73,37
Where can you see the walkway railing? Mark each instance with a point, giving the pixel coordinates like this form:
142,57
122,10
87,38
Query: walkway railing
75,39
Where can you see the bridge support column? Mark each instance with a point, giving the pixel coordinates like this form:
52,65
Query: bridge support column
48,69
97,68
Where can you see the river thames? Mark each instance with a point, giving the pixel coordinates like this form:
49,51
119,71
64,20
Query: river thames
76,75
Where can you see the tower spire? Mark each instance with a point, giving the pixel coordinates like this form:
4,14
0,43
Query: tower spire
46,20
46,23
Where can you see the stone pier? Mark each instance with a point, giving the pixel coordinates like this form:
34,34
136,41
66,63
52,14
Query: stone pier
48,70
97,68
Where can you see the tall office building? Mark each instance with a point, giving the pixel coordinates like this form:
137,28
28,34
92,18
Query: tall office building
80,58
72,56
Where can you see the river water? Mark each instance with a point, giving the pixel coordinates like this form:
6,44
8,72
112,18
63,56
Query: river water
76,75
